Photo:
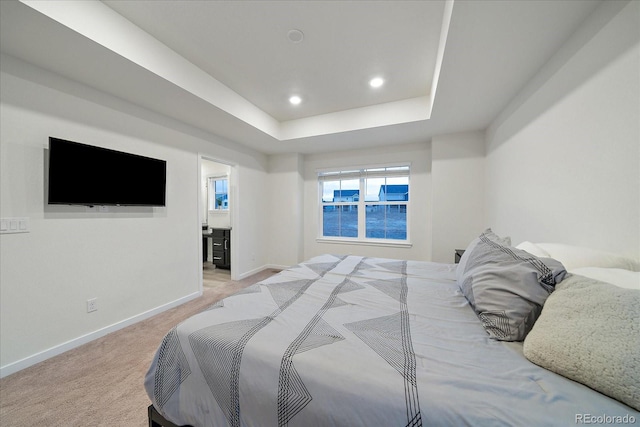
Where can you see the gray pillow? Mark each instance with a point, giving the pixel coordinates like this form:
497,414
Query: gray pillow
589,331
488,234
507,287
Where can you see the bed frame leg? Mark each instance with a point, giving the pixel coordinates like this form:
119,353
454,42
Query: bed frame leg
157,420
151,412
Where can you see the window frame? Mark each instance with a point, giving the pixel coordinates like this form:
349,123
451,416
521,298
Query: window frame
362,173
211,180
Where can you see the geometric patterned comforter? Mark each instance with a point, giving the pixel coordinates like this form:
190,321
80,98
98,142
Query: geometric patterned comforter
355,341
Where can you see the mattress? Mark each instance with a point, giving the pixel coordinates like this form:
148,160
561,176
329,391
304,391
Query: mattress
357,341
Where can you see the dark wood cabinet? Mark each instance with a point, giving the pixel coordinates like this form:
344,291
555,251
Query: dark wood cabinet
221,247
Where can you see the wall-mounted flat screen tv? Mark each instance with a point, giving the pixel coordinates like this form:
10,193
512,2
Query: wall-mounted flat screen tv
81,174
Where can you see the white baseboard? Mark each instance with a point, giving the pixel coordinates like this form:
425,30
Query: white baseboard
250,272
277,267
259,269
76,342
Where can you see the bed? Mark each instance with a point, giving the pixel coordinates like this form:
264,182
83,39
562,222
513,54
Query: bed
361,341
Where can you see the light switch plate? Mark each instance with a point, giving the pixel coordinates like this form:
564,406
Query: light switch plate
14,225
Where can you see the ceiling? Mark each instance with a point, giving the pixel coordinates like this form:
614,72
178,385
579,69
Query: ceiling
245,45
229,67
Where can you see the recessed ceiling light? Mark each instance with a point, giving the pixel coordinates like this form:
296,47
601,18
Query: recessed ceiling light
376,82
295,100
295,36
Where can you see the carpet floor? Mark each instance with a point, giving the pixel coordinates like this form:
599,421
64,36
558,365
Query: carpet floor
101,383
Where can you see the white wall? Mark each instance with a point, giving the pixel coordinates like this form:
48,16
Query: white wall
563,160
134,260
285,210
418,155
458,192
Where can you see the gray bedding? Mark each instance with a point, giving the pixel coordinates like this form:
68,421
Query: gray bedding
353,341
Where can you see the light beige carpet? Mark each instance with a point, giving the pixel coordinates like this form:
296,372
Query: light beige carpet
100,383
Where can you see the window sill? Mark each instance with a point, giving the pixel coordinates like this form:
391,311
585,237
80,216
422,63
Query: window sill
387,243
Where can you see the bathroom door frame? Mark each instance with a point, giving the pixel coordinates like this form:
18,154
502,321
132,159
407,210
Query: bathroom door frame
233,210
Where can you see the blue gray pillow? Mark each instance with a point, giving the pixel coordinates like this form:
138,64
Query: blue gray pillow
487,234
505,286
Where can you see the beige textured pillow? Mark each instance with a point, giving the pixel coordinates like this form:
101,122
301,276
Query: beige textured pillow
589,331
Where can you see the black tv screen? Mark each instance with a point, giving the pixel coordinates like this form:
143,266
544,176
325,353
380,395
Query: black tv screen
81,174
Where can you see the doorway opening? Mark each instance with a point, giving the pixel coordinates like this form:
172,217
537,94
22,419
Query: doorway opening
216,213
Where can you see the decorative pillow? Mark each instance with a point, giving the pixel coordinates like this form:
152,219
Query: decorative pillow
616,276
506,287
489,234
589,331
534,249
576,256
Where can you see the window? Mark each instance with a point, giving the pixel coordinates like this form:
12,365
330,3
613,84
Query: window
368,204
218,193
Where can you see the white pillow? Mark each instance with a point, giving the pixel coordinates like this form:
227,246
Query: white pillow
533,249
576,256
616,276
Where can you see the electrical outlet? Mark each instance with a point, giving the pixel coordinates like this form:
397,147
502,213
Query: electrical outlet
92,305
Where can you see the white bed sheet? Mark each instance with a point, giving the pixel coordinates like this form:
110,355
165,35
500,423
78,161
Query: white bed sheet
353,341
